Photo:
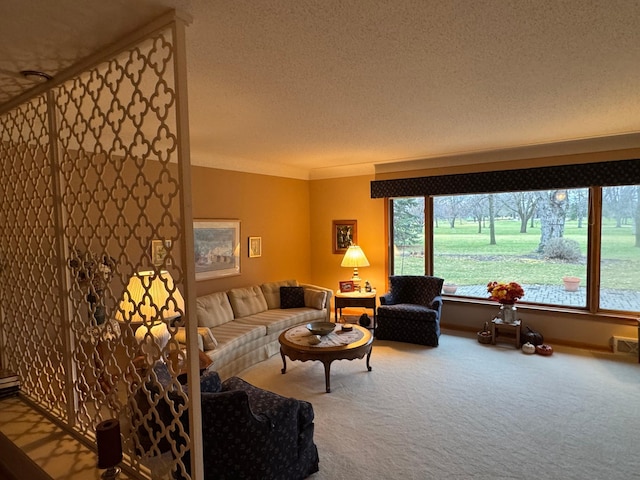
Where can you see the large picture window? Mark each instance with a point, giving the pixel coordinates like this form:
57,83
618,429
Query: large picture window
620,248
538,238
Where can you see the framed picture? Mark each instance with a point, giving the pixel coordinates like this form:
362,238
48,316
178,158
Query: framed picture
347,286
159,252
345,233
216,248
255,247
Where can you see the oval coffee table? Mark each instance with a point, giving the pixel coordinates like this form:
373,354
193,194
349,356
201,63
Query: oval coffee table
338,345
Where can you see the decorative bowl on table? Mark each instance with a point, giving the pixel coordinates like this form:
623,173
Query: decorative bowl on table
321,328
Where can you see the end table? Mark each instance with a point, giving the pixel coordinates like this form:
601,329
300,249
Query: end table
355,299
497,325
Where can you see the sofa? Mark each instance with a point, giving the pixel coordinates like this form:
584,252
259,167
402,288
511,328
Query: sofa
240,327
247,432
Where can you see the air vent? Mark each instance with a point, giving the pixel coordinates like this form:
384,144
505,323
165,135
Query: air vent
625,346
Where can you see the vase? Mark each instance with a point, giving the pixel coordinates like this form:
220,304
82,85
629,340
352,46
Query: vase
508,313
97,313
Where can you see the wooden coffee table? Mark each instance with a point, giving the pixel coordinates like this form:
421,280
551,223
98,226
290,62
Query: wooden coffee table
338,345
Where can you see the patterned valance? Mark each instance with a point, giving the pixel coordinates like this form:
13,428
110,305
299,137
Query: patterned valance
621,172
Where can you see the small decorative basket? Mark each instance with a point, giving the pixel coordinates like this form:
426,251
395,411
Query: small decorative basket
484,337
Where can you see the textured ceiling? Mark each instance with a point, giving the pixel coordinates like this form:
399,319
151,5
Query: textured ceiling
317,88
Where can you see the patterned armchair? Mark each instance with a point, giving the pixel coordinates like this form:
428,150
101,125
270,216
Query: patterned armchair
410,311
251,433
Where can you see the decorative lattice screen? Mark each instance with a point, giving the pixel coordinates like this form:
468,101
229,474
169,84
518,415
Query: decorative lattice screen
92,196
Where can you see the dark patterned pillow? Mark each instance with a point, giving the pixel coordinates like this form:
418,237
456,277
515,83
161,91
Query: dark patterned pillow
291,297
210,382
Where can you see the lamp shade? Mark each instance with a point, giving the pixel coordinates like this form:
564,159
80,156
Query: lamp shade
354,257
150,297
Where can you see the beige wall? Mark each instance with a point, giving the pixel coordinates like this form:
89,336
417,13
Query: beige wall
274,208
569,328
481,162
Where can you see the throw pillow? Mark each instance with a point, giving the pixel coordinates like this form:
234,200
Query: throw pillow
271,291
210,382
205,336
291,297
208,340
314,298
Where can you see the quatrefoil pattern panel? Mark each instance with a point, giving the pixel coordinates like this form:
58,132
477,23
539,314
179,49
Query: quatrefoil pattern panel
91,191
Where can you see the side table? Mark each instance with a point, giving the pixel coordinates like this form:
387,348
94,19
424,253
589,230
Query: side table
355,299
497,325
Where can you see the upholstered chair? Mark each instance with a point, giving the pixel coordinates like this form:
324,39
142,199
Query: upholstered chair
410,311
247,432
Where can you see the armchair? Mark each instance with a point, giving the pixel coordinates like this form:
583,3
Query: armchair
253,433
410,311
249,432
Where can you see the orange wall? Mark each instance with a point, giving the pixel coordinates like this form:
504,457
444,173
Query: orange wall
274,208
294,219
346,199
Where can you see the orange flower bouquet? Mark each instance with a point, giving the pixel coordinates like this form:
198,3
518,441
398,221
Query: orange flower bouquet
505,293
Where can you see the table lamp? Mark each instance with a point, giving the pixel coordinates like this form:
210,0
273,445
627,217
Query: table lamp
151,298
355,257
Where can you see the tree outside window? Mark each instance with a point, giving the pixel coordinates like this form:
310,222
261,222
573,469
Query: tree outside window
536,238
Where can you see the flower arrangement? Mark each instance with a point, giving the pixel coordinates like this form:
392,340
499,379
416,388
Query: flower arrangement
505,293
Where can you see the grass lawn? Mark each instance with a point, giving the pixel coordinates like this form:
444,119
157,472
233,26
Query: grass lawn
465,257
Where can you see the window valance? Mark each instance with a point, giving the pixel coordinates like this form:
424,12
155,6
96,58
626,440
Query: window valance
610,173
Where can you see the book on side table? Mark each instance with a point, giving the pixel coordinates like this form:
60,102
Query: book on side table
9,383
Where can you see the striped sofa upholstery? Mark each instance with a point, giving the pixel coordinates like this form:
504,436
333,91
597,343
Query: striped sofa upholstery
245,323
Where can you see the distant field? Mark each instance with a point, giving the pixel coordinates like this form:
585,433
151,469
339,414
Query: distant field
465,257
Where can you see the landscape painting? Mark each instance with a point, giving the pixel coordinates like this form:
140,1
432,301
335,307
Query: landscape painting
216,248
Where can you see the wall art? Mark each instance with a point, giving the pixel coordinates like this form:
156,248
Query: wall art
216,248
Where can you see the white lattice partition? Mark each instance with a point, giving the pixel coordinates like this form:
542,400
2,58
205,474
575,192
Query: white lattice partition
32,327
92,176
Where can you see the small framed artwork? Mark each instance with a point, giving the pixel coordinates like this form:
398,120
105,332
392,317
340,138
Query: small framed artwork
347,286
159,250
255,247
345,233
216,248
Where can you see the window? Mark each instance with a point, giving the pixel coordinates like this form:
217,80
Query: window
620,248
538,238
408,236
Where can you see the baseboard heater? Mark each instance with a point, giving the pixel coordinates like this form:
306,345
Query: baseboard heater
624,345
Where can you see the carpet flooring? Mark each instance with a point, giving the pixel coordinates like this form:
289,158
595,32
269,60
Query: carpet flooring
469,411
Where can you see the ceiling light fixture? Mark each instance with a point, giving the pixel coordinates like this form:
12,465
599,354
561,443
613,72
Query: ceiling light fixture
36,75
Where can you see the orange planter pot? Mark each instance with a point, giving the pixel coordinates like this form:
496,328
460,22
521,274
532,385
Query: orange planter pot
571,284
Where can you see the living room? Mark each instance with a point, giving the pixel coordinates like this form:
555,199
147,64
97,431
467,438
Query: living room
292,210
